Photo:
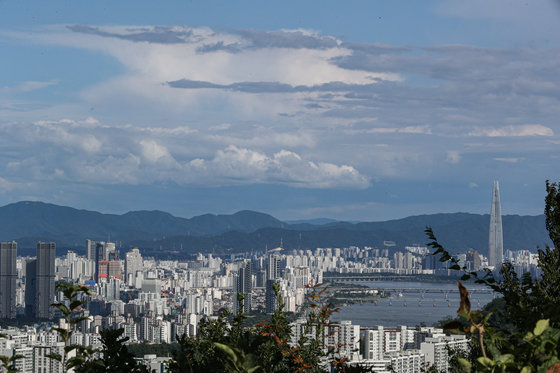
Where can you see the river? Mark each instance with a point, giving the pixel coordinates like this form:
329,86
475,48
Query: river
407,307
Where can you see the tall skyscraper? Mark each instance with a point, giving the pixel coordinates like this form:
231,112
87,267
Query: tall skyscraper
243,284
496,240
44,285
273,272
8,275
101,253
273,266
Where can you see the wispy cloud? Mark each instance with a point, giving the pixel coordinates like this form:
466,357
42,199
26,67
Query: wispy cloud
514,131
27,86
453,157
425,130
89,151
509,159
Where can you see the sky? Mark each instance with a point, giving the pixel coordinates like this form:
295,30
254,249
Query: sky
357,110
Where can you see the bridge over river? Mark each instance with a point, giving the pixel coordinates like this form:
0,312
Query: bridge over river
433,287
403,291
363,277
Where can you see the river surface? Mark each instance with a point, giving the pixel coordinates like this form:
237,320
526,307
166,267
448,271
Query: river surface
408,307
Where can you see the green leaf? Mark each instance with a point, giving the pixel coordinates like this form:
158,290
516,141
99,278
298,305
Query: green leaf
75,304
541,326
67,349
53,356
485,362
65,311
464,365
506,358
78,320
487,317
227,350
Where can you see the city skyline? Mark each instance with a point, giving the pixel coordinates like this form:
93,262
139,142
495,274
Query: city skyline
361,111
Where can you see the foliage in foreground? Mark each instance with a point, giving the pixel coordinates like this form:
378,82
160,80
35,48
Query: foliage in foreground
265,347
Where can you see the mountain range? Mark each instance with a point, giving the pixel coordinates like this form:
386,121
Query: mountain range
161,234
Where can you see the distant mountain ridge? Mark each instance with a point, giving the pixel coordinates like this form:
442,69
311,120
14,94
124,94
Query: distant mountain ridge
71,227
162,234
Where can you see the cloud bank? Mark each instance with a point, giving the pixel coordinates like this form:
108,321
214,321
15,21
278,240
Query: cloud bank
93,152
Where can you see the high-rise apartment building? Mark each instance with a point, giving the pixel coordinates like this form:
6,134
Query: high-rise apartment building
273,274
496,240
242,284
44,284
132,264
273,268
8,275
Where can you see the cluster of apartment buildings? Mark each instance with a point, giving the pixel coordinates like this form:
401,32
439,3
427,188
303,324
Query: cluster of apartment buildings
156,300
398,350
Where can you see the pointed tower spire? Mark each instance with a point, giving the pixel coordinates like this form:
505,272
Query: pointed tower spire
496,240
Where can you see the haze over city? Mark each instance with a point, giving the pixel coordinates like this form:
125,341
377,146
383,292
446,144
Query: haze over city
368,110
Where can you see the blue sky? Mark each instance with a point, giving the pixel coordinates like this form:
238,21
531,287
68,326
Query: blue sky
360,110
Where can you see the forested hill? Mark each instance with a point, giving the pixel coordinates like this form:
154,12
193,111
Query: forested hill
162,234
27,222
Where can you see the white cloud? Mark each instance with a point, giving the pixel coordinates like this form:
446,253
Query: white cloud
154,152
509,160
453,157
154,55
63,133
6,185
243,165
289,63
514,131
424,130
264,137
111,170
221,127
473,185
417,129
28,86
124,154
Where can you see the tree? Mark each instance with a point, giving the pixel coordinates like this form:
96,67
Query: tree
8,363
265,347
69,311
116,357
200,354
